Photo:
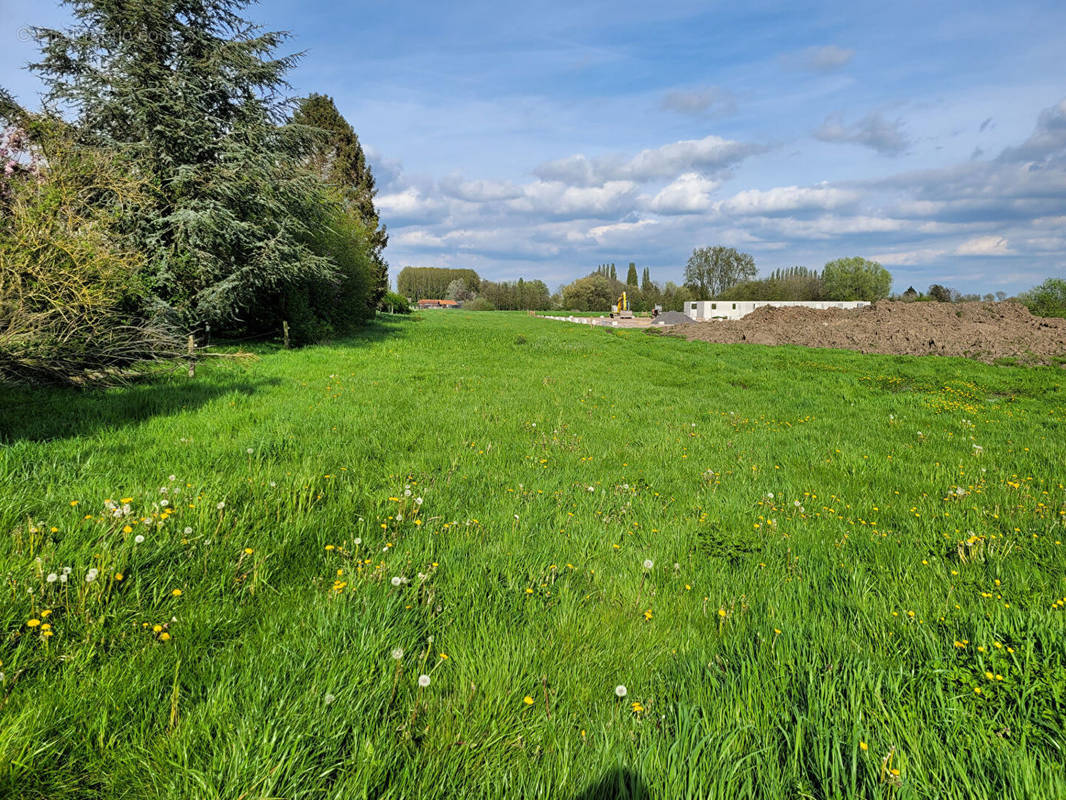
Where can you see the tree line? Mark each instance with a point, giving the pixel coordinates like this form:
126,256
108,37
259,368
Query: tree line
168,186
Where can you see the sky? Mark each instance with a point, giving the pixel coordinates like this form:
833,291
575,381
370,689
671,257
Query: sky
542,140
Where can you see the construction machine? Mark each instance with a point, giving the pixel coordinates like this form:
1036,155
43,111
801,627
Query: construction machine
621,308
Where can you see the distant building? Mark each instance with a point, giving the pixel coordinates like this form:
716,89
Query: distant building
437,304
735,309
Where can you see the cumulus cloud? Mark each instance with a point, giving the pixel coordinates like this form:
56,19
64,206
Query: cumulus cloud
556,199
709,155
689,194
873,131
1047,142
786,199
478,191
710,99
984,246
820,59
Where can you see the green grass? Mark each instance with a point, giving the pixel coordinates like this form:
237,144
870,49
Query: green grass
552,460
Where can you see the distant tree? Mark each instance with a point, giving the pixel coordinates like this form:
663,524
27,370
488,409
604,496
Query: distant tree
613,275
1001,296
333,152
910,295
856,278
418,283
940,294
645,283
631,276
712,270
459,291
479,304
591,293
1048,299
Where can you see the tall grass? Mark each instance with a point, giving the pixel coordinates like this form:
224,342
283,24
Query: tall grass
843,545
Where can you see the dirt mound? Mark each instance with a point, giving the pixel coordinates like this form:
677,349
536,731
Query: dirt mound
983,331
672,318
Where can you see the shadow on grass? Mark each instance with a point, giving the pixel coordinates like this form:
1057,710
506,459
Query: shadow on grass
618,784
45,413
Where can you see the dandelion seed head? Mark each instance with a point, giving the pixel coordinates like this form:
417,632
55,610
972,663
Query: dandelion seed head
52,577
329,699
423,681
138,539
620,690
397,653
396,580
648,563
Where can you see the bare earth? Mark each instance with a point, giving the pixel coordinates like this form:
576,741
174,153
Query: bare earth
983,331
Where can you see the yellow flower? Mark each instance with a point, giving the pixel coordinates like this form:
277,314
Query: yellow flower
73,503
637,708
647,614
46,612
157,628
527,700
176,592
33,623
126,500
722,613
248,551
529,591
119,576
977,690
444,656
864,746
164,637
329,547
127,529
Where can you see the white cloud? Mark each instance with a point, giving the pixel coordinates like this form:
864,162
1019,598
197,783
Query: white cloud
689,194
873,131
406,203
554,198
788,198
819,59
984,246
700,101
711,154
620,232
478,191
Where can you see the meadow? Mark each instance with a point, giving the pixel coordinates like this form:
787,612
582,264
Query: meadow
489,555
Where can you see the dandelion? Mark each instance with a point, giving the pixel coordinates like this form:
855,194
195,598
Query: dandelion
164,637
173,477
648,563
119,576
138,539
418,501
90,576
63,578
722,613
157,629
33,623
328,699
637,707
397,653
423,681
164,503
527,700
620,690
357,541
397,580
248,551
52,577
864,746
176,593
188,531
250,451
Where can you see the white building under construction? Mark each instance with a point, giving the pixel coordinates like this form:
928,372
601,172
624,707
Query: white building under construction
735,309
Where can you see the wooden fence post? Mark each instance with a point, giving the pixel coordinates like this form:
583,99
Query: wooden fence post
285,333
192,356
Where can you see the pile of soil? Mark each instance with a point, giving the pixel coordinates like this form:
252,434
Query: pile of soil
983,331
672,318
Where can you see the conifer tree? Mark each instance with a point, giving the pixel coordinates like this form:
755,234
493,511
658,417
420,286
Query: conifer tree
190,91
631,276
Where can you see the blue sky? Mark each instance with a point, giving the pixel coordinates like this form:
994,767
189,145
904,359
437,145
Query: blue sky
545,139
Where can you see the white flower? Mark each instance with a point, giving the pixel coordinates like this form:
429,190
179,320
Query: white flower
397,653
770,495
358,541
221,505
63,578
796,503
164,503
250,451
648,563
423,681
188,531
173,477
52,577
90,576
163,490
138,539
399,517
620,690
273,484
66,570
406,492
329,699
397,580
418,501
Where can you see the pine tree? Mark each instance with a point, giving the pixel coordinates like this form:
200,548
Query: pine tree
645,284
334,154
631,276
190,91
614,275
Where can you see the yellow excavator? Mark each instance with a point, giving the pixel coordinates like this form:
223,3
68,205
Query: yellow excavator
621,308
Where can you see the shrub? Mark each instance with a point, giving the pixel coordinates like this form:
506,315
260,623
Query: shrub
394,303
479,304
1048,299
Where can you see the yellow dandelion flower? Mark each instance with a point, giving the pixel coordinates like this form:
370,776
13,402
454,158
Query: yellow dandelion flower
527,700
164,637
330,547
32,623
637,707
157,628
864,746
46,612
647,614
722,613
176,593
119,576
127,529
444,656
248,551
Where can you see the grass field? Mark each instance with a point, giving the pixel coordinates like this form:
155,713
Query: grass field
817,574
